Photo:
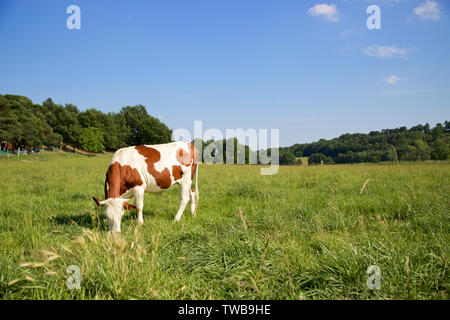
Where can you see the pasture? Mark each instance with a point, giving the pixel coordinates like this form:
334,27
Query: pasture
304,233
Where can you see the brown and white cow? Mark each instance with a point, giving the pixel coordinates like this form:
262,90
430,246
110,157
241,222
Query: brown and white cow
153,169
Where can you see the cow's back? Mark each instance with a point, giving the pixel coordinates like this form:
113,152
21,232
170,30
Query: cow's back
154,167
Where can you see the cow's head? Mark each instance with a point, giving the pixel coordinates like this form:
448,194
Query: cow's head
114,210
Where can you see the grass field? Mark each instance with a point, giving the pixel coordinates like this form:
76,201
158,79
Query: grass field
304,233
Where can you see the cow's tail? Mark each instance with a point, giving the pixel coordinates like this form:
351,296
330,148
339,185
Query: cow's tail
196,187
106,188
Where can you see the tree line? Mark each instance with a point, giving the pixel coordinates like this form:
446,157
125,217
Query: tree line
31,125
401,144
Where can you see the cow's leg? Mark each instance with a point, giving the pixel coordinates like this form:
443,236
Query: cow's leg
184,199
192,200
139,199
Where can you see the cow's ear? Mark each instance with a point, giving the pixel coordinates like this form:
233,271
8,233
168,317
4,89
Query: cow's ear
98,201
128,206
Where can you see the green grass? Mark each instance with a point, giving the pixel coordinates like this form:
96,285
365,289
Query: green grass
310,233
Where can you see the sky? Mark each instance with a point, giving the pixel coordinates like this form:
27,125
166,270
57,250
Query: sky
312,69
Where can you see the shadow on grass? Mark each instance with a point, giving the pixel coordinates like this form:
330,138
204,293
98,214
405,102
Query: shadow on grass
84,220
78,196
132,214
98,221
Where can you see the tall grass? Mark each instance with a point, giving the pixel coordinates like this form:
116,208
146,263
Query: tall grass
304,233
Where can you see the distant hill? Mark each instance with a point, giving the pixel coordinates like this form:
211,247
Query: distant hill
417,143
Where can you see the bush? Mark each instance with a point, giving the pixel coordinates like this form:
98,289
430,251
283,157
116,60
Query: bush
91,139
317,158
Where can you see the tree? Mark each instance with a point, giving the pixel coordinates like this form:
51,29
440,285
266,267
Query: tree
30,125
440,150
287,156
144,129
91,139
105,123
10,128
437,131
24,123
317,158
63,120
121,130
410,145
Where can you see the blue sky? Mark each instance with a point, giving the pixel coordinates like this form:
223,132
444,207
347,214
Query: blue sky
309,68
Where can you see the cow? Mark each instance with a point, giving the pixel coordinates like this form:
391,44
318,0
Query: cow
152,169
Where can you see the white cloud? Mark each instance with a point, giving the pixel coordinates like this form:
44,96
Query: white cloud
428,10
386,52
392,79
328,11
413,92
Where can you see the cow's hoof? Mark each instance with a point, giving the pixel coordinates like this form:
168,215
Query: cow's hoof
176,220
140,221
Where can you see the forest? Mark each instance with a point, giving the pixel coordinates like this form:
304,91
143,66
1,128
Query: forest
31,125
418,143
